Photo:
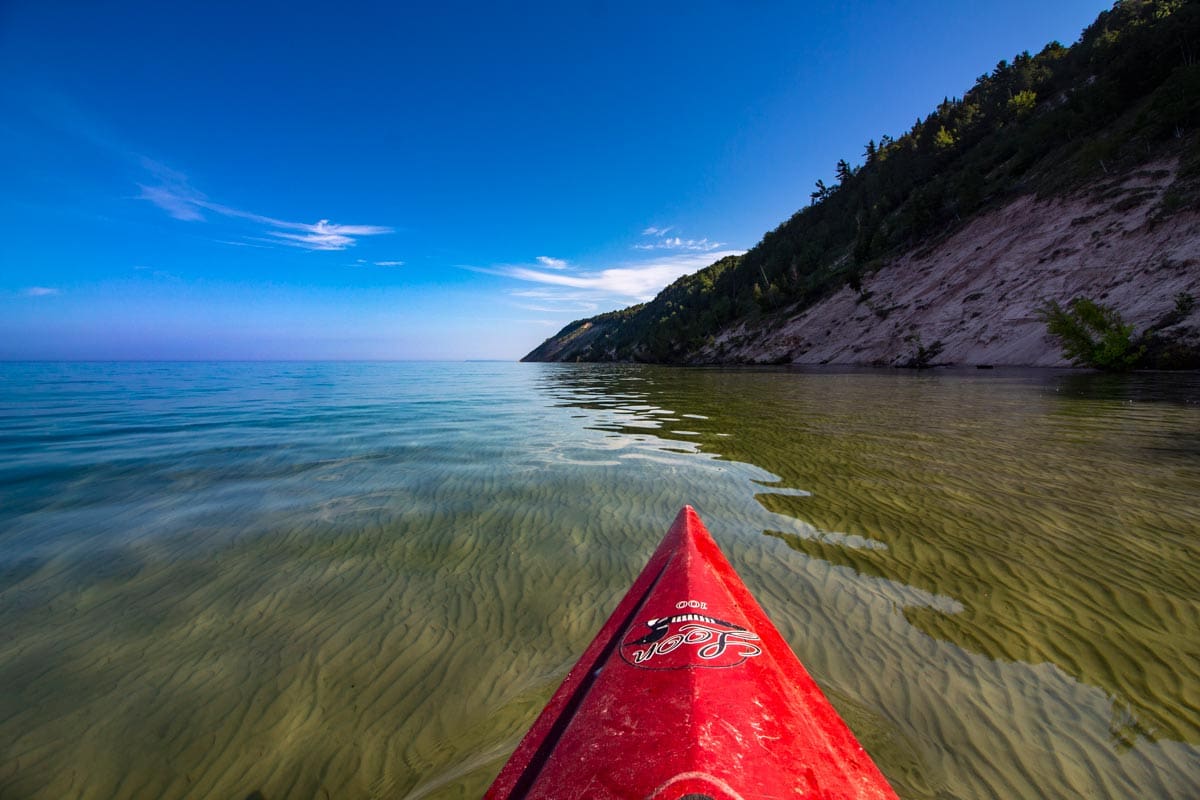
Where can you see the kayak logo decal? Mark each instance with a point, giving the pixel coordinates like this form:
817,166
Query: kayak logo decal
688,640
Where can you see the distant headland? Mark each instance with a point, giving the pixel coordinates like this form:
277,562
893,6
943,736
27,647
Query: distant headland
1071,173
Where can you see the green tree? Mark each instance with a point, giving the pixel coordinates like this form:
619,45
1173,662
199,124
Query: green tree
1022,104
844,171
1092,335
943,139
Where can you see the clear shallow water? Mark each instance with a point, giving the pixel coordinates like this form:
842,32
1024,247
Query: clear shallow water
363,580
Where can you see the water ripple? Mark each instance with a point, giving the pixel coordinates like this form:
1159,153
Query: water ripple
364,580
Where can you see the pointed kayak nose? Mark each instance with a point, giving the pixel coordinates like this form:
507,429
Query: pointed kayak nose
689,691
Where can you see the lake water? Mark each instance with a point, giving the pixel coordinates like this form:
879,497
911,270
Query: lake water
364,580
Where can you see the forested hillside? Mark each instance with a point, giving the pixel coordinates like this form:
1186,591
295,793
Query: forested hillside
1046,124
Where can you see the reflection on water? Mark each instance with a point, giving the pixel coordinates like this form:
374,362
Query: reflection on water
1052,518
364,580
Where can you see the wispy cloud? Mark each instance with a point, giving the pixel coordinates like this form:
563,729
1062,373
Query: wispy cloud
179,199
675,243
552,263
171,191
389,263
538,293
555,301
664,242
637,282
640,283
177,205
323,235
41,291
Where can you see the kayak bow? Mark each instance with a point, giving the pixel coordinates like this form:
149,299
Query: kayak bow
689,693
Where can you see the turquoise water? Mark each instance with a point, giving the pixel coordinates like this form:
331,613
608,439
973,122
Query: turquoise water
363,580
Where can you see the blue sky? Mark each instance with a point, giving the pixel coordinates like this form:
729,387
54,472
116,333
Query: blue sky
437,180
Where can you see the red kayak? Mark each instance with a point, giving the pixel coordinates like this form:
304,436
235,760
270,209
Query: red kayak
689,693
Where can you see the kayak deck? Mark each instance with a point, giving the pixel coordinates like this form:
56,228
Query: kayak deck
689,691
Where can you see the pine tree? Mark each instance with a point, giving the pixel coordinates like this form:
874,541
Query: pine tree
844,172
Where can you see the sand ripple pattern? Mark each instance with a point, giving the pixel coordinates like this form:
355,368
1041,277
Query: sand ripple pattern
344,581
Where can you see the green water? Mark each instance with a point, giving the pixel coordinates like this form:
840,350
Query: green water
330,580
